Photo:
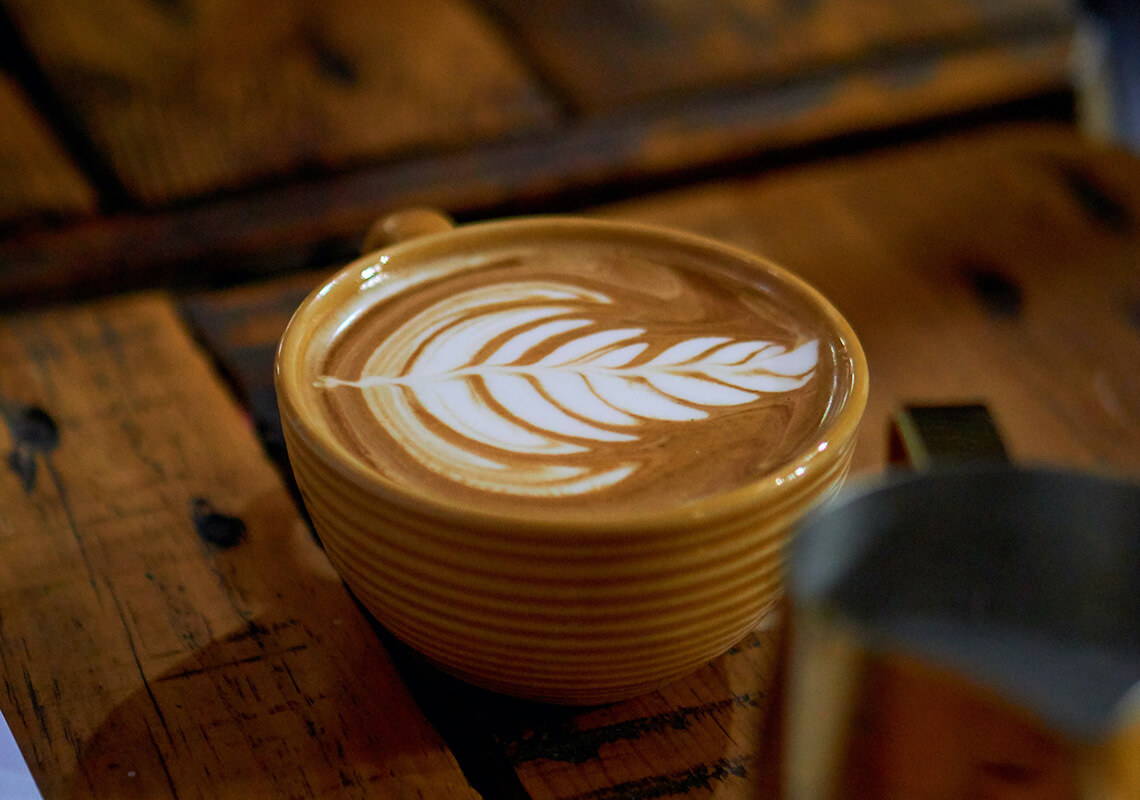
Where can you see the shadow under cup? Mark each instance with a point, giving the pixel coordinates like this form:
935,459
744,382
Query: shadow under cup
561,457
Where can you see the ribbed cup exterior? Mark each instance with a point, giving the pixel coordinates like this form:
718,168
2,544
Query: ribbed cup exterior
577,612
571,618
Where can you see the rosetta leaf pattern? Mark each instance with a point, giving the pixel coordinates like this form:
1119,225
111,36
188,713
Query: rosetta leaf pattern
519,381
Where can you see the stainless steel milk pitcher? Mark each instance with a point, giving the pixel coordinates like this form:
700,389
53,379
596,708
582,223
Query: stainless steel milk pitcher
967,630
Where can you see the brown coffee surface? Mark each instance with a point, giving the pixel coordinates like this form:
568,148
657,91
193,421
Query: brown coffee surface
576,375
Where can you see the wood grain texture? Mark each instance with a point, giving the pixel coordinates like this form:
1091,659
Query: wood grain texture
37,178
997,266
711,734
189,97
137,658
242,327
604,54
259,135
307,224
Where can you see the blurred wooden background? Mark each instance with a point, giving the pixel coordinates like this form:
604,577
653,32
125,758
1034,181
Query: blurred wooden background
925,163
195,143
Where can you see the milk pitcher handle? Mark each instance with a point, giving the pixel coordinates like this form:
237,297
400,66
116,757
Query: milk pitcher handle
923,436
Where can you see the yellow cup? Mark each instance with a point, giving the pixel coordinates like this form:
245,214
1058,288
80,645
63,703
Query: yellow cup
563,598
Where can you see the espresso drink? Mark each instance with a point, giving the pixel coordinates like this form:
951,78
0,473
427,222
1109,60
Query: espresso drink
561,457
594,376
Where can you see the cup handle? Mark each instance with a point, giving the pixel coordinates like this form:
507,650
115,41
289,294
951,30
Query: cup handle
925,436
409,223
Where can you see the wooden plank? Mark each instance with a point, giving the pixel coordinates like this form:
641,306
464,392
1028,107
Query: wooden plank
997,266
603,55
139,659
711,734
187,98
313,223
871,99
37,178
242,326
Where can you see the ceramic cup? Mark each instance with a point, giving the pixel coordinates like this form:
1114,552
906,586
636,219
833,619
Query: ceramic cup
560,457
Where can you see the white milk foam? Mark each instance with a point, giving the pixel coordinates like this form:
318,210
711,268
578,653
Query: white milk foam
490,387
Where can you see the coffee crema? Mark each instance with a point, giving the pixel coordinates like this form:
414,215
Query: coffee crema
602,375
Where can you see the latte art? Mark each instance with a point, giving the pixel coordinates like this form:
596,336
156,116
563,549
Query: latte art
574,378
561,457
491,386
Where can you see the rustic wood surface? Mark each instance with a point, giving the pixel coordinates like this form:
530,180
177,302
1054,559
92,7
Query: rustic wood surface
315,222
998,266
139,658
37,178
185,98
191,97
246,139
642,50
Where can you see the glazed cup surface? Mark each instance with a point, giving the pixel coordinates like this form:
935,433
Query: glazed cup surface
580,606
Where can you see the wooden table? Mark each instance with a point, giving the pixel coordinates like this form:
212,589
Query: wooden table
141,659
189,141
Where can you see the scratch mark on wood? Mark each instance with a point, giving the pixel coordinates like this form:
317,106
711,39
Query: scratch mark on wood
702,776
37,707
158,750
189,673
570,744
77,535
139,667
296,686
257,633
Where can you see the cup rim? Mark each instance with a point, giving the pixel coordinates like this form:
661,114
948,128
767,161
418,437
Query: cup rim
809,467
